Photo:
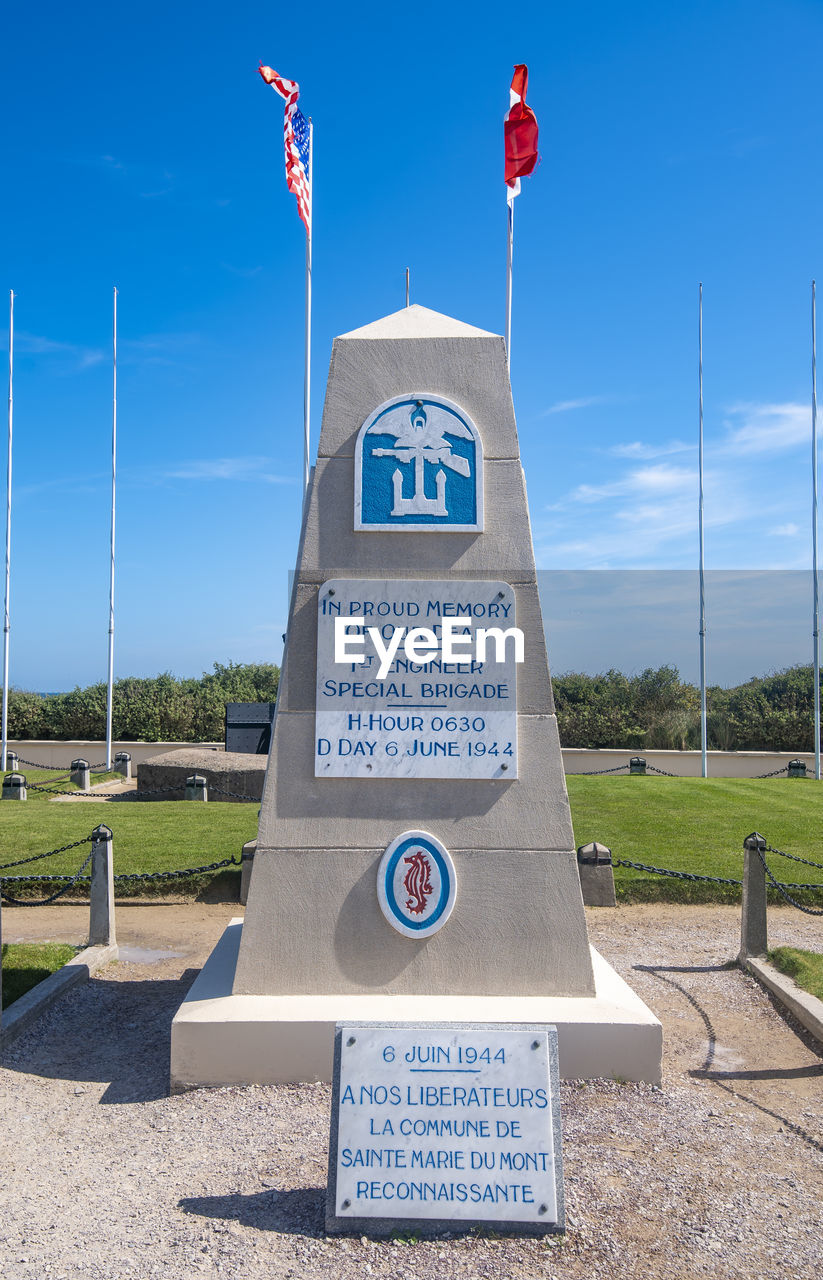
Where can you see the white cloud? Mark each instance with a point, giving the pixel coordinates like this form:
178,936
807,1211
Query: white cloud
644,512
784,530
645,516
644,452
659,479
567,406
766,428
78,357
239,469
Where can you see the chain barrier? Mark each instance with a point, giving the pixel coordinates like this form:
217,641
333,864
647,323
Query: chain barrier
175,875
36,857
665,773
58,893
596,773
53,791
79,878
145,793
677,875
692,875
793,856
60,791
34,764
781,889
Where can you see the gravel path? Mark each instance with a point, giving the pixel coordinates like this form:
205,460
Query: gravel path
718,1173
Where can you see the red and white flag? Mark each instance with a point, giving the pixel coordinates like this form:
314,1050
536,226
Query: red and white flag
296,141
520,133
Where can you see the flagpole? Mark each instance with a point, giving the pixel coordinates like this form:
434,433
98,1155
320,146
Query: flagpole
307,381
510,203
703,726
110,692
815,580
407,286
6,626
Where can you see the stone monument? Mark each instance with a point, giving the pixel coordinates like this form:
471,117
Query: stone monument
415,856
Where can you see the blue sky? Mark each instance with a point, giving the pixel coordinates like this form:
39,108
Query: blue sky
679,144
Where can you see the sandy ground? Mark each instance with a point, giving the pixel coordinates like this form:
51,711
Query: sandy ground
718,1173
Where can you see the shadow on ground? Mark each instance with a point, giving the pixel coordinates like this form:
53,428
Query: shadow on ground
113,1032
300,1211
721,1078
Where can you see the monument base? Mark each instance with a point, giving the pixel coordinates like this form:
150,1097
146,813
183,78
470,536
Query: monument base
218,1038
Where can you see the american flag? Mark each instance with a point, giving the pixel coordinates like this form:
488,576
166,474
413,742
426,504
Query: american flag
296,140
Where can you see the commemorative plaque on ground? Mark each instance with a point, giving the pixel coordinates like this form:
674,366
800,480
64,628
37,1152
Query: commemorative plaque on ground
438,1125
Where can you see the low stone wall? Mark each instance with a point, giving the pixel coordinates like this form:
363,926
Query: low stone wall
722,764
59,755
687,764
232,771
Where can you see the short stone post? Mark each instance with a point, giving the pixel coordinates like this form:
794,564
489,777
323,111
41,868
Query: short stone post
797,768
101,897
14,786
753,920
594,863
122,763
81,774
246,863
637,765
12,760
197,787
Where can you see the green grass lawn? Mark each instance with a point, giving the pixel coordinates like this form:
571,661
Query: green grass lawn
806,967
686,824
698,825
27,963
148,835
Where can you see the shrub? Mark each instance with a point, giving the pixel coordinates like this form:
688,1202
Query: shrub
149,709
657,709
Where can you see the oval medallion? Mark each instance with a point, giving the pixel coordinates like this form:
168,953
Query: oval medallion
416,884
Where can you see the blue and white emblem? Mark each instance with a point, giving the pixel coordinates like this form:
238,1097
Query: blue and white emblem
416,884
419,465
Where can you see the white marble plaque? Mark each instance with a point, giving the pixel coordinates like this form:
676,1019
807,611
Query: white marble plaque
445,1123
430,718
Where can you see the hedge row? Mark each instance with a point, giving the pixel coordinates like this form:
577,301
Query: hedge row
657,709
154,709
653,709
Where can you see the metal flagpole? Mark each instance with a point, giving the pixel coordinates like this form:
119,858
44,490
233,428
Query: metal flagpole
307,382
815,579
6,627
703,729
407,286
110,694
510,203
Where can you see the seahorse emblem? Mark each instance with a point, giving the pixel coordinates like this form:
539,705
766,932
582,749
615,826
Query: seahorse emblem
417,882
